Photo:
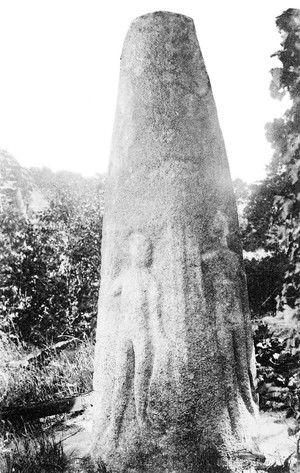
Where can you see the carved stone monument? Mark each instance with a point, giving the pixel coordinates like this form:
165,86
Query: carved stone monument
174,372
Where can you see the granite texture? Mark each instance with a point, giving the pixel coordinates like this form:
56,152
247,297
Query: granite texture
174,368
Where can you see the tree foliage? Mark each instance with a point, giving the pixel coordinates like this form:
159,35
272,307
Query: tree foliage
265,277
264,261
272,213
261,214
50,262
284,135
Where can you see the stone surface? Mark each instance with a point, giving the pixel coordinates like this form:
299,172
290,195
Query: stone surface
174,358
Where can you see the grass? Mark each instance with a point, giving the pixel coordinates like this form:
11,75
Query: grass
64,374
33,451
31,448
37,451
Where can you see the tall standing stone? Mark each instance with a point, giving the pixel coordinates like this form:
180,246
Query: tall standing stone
174,358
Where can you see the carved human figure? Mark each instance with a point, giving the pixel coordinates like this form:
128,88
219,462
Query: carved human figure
140,329
226,296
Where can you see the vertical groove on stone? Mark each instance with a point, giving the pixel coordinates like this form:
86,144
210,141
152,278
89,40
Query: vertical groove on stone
173,354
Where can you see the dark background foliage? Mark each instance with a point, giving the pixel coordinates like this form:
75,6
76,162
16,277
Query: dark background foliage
50,259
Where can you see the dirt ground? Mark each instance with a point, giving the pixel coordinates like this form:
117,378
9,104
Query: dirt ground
275,442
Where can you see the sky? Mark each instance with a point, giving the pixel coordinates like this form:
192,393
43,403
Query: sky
59,72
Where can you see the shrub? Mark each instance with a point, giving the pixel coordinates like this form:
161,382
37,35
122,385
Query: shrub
278,368
50,273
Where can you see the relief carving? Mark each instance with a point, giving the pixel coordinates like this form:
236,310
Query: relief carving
225,296
140,328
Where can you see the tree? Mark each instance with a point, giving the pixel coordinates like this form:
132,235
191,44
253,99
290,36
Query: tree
50,260
264,260
284,135
272,212
260,213
15,185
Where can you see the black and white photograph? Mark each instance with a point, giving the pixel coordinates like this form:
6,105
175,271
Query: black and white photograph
149,236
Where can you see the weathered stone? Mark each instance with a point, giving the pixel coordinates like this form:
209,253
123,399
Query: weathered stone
174,358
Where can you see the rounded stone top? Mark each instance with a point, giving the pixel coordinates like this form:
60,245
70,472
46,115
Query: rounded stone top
161,19
164,15
160,34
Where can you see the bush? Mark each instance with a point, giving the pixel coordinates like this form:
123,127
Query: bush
278,371
50,271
